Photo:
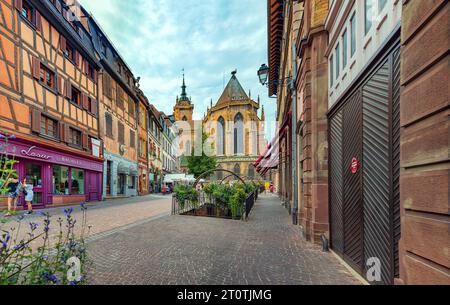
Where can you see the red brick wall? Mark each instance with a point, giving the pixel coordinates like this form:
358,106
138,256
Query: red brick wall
425,141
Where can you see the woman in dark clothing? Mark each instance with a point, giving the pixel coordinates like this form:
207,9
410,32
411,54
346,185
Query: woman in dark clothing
14,187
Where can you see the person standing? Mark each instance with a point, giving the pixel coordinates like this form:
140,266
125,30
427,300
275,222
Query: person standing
14,187
29,194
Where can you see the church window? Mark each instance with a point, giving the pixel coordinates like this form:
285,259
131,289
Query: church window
238,134
221,137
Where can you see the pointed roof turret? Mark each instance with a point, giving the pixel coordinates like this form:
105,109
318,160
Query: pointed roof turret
263,115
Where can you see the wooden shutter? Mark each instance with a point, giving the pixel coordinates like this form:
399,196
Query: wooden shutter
59,85
36,67
94,107
95,76
58,6
36,121
38,21
67,88
62,133
62,43
85,141
66,133
132,138
18,4
86,67
77,58
121,133
84,101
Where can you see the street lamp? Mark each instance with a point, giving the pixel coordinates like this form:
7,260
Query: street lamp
263,74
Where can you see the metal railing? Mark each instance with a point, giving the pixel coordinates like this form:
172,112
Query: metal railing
209,207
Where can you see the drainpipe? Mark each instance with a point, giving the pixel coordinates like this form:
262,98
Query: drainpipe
294,136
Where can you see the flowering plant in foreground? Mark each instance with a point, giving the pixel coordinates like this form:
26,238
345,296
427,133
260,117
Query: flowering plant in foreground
47,264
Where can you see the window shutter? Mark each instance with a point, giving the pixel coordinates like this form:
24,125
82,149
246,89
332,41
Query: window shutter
66,133
86,67
62,43
67,90
38,21
18,4
36,68
77,58
36,121
95,76
59,86
85,101
58,6
94,107
85,141
62,134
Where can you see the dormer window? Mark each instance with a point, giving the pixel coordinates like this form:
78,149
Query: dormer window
27,12
70,52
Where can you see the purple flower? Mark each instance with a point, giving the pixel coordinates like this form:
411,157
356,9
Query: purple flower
19,247
83,206
2,136
33,226
68,212
4,244
13,136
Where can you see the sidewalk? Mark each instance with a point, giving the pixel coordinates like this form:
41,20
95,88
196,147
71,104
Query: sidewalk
266,249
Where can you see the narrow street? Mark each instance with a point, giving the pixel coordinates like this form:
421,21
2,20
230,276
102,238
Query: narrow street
184,250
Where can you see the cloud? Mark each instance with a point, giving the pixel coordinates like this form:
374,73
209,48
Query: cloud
209,39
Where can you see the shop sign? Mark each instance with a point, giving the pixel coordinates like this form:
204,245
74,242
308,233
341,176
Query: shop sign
354,166
30,152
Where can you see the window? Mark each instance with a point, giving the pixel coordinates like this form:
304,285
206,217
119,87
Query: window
381,5
34,171
77,182
120,132
49,127
75,97
368,15
28,12
91,72
344,49
60,180
331,70
143,150
237,169
221,137
131,182
70,52
108,121
74,137
132,139
238,134
338,60
47,77
353,35
131,107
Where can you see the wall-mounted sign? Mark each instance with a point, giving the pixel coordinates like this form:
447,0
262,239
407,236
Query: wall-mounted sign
30,152
95,147
354,166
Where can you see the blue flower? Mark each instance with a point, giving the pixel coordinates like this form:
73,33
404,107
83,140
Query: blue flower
83,205
13,136
20,217
19,247
4,244
2,136
33,226
68,211
54,279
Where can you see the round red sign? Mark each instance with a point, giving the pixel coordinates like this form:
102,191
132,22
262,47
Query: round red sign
354,166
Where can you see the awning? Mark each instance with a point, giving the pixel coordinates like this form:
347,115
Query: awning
123,169
133,171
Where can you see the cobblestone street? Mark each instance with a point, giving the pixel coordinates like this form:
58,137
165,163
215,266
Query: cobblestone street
196,250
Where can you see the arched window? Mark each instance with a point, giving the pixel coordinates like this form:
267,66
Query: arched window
220,146
251,171
237,169
238,134
185,118
188,151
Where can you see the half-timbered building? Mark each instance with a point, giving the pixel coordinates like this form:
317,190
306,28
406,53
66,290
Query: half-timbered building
48,100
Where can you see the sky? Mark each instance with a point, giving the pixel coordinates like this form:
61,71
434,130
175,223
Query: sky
206,38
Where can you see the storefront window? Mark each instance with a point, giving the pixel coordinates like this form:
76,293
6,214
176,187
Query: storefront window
131,182
34,172
77,185
60,180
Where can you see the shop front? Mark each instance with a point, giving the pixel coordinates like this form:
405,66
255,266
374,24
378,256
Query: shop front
143,180
58,177
120,176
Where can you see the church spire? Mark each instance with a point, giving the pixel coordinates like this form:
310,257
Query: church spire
183,96
263,115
